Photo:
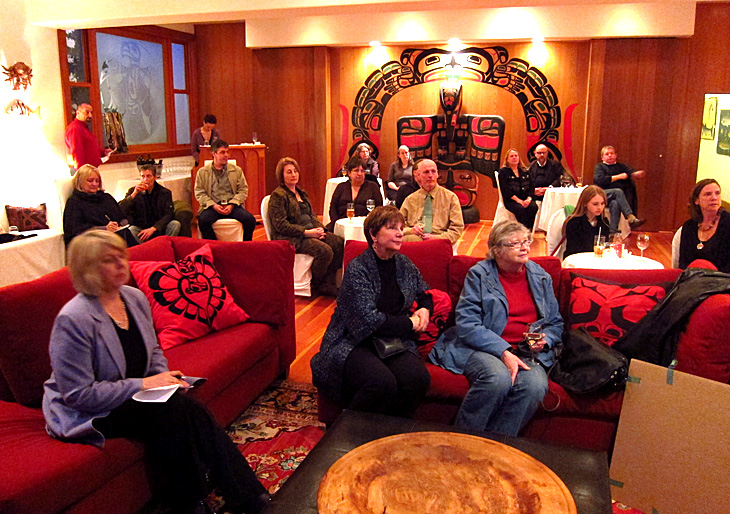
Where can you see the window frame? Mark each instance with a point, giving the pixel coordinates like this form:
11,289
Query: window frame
154,34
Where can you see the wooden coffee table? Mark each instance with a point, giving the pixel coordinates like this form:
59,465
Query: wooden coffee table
584,473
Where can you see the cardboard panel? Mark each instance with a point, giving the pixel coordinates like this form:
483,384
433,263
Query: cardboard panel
671,452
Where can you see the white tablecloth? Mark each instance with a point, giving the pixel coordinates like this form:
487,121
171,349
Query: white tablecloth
555,199
610,261
31,258
348,230
179,185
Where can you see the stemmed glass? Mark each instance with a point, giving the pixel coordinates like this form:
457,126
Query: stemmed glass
533,335
642,241
370,204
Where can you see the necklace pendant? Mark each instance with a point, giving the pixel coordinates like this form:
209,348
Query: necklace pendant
700,246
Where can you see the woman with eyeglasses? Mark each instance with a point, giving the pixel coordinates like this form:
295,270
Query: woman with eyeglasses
357,191
505,296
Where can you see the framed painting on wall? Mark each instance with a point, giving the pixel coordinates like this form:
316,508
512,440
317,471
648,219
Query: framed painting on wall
723,133
709,118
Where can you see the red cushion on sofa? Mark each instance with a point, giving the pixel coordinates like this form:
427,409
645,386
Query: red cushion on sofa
437,323
44,475
607,310
258,274
704,348
188,297
431,257
24,360
156,249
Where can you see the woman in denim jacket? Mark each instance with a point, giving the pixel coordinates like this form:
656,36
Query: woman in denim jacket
502,296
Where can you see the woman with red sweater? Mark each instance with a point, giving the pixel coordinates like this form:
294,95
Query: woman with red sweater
503,295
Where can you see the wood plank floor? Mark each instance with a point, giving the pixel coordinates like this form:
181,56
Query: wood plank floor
312,316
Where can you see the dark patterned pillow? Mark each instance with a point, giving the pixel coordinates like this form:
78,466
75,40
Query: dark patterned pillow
607,309
436,323
27,218
188,298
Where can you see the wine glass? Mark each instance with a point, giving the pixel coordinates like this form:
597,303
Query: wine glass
255,137
370,204
533,335
350,211
642,241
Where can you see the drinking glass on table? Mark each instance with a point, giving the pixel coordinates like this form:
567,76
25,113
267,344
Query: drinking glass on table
599,243
370,204
642,241
533,335
350,211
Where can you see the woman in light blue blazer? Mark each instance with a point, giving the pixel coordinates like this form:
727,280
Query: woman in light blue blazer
103,350
503,295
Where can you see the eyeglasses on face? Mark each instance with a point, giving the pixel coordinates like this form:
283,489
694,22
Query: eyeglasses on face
519,244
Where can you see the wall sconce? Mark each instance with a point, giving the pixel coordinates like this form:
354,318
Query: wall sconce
537,55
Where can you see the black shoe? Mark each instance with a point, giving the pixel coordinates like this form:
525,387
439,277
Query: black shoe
255,506
636,223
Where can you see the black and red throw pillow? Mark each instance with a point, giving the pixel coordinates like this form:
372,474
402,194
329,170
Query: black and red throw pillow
188,297
607,309
436,323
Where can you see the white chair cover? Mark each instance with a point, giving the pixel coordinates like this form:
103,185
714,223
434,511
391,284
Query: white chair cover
675,247
502,213
555,233
226,230
302,262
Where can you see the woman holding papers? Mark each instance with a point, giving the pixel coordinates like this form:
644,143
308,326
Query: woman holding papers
104,351
89,206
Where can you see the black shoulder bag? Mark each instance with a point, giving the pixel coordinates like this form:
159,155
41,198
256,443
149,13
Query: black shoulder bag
589,366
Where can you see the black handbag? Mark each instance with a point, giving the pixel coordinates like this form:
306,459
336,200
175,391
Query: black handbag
388,346
587,366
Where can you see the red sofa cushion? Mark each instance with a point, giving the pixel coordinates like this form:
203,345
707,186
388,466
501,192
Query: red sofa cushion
188,297
704,347
431,257
45,476
222,357
24,359
261,299
156,249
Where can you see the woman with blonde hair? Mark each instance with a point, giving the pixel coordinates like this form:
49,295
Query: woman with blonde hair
587,221
103,351
91,207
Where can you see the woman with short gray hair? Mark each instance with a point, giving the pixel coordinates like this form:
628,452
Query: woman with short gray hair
505,297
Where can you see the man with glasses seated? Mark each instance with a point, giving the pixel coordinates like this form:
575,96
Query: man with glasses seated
505,297
546,172
431,211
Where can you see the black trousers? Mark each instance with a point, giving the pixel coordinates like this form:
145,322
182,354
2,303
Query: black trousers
525,215
395,386
183,441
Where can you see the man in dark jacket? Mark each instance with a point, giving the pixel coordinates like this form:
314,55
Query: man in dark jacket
150,207
616,179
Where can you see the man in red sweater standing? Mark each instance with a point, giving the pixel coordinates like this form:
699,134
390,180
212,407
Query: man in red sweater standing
81,145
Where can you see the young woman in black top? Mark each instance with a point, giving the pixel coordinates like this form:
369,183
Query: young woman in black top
587,221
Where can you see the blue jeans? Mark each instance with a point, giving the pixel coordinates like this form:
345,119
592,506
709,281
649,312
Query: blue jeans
493,403
617,205
171,229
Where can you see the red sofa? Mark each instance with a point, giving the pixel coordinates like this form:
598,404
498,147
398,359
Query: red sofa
42,475
584,421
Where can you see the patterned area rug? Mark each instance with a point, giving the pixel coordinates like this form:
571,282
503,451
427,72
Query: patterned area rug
278,431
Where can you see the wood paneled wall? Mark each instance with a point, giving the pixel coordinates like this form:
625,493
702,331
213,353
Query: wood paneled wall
643,96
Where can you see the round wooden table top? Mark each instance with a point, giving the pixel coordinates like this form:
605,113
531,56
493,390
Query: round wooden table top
441,472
